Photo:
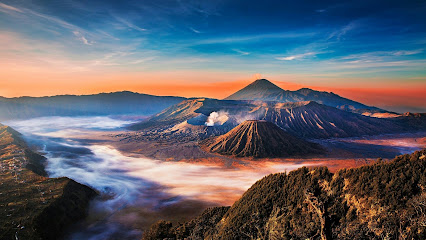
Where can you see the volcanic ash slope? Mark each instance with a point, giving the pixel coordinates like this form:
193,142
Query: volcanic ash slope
259,139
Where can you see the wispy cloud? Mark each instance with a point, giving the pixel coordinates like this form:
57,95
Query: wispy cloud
379,56
142,60
129,24
82,38
194,30
5,8
338,34
407,52
111,59
257,37
38,17
240,52
298,56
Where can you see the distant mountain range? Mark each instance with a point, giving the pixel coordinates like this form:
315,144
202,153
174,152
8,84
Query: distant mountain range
304,113
116,103
130,103
265,90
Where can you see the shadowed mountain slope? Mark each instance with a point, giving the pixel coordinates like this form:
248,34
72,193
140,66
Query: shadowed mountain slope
313,120
385,200
115,103
32,205
259,139
264,90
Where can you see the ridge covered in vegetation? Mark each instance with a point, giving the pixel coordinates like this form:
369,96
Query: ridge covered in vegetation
33,206
385,200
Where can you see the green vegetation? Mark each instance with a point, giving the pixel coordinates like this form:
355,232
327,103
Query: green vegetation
386,200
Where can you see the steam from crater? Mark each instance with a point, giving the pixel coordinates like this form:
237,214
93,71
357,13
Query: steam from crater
217,118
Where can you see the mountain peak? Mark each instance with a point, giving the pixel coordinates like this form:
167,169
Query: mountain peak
264,90
257,90
259,139
263,84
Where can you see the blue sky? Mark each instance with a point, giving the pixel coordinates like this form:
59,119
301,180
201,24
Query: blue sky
317,42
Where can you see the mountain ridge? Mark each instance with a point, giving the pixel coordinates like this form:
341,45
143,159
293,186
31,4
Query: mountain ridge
34,206
264,90
114,103
307,119
384,200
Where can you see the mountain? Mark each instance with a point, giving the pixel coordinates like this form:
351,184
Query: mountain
313,120
32,205
385,200
264,90
259,139
194,111
304,119
114,103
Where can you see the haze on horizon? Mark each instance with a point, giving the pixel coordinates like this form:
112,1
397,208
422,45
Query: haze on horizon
369,51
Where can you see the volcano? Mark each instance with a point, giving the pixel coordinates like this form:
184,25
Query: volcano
306,119
259,139
264,90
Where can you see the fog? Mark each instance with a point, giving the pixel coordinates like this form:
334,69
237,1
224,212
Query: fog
134,190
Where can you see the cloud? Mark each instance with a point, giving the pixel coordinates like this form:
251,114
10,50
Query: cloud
257,37
298,56
5,8
57,21
240,52
344,30
194,30
380,56
142,60
406,53
129,24
82,38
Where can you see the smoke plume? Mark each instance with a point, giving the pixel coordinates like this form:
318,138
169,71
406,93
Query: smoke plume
217,118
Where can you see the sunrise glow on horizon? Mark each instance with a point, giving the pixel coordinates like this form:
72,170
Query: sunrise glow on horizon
369,51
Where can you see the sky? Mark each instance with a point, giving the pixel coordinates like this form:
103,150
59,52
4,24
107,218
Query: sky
369,51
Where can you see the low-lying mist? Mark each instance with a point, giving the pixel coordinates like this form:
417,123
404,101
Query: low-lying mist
134,191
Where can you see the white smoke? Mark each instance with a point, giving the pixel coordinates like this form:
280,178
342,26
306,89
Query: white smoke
217,118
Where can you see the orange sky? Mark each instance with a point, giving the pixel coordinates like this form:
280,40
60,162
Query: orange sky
203,84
